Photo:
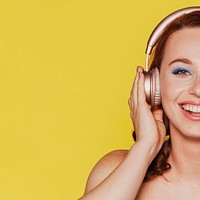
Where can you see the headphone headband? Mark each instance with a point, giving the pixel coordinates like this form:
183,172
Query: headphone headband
161,26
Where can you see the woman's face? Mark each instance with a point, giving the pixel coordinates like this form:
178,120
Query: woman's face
180,82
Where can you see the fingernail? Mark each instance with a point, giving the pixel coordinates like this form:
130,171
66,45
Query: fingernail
139,68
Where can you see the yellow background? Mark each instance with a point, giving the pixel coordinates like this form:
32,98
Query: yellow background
66,69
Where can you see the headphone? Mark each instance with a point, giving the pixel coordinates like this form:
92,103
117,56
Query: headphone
152,77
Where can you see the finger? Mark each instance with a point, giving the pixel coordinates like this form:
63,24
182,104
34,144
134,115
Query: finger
133,95
141,91
135,87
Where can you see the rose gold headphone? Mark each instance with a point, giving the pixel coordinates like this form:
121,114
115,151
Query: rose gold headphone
152,79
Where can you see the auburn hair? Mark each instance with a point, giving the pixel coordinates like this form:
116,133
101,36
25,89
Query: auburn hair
191,20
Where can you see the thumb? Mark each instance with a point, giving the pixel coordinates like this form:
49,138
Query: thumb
158,114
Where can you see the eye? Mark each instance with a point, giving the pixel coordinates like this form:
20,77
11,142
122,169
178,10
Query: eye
182,72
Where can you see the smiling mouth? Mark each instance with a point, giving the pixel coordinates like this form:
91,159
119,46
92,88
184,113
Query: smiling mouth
191,109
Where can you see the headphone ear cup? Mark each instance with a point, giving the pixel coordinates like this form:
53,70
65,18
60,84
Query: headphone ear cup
152,87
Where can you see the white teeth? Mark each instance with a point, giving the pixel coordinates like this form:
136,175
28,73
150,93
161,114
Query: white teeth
191,108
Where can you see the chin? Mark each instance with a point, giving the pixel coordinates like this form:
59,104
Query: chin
187,131
193,132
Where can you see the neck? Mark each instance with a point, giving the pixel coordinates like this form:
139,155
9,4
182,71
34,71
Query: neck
184,157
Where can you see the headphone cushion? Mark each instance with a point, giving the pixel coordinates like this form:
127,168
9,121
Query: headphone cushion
155,87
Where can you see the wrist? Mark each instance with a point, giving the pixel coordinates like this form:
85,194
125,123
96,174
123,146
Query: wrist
147,150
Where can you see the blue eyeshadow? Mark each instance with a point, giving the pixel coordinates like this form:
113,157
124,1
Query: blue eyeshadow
179,69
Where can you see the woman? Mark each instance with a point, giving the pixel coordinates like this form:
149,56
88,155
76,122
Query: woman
155,168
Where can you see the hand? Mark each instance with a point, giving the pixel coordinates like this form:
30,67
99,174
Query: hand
148,122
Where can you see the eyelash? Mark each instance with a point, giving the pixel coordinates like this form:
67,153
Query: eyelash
182,72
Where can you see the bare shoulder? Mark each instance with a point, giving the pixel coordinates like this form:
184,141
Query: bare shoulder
105,166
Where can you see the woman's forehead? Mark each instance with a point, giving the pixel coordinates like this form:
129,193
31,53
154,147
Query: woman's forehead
183,43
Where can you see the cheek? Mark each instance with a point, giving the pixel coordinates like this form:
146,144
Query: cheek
169,93
170,89
166,89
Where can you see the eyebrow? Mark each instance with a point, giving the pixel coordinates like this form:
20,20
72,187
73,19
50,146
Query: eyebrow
183,60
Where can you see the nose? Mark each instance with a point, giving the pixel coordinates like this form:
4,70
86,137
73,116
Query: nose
195,87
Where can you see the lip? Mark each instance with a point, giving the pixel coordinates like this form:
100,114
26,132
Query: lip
192,117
